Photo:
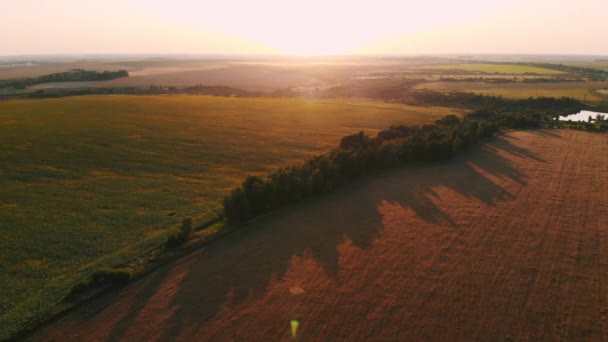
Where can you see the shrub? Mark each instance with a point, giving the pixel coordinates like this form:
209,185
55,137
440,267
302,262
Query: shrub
80,287
178,238
112,277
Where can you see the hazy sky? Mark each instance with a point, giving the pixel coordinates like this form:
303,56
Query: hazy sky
304,26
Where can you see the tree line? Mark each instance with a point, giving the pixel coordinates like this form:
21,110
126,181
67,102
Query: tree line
359,155
149,90
67,76
591,73
532,105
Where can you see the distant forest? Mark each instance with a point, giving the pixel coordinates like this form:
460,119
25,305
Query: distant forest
74,75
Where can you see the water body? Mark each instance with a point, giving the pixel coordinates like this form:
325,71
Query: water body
581,116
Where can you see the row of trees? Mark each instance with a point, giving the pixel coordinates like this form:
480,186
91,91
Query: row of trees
195,90
591,73
67,76
358,155
538,105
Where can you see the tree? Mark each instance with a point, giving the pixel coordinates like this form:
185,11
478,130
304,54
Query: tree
318,182
354,141
257,193
448,120
236,206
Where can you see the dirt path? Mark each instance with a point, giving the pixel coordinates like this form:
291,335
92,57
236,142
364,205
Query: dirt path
508,241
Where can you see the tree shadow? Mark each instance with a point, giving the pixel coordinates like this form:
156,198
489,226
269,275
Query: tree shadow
505,144
262,251
243,264
546,133
148,288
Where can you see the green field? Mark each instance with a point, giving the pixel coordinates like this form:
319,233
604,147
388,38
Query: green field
496,68
578,90
91,181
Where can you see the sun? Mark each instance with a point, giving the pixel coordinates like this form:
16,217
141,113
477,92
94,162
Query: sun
314,42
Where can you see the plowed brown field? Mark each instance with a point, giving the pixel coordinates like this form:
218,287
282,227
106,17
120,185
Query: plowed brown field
507,241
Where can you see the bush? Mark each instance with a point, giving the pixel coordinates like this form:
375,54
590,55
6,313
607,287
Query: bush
80,287
111,277
177,239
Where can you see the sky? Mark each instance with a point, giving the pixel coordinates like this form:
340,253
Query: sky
308,27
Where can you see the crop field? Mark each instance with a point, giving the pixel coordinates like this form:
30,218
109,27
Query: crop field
578,90
497,68
250,77
508,241
91,181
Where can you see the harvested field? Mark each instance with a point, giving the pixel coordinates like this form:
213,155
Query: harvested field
239,76
508,241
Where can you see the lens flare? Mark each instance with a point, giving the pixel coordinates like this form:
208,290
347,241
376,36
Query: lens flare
294,328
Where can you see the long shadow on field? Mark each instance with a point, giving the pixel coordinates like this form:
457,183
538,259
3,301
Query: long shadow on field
243,264
546,133
418,189
149,289
505,143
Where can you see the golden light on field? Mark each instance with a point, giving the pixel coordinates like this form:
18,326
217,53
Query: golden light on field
313,27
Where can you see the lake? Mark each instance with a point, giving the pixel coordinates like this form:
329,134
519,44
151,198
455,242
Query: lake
583,115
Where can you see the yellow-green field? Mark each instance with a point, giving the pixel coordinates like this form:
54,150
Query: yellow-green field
497,68
91,181
577,90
